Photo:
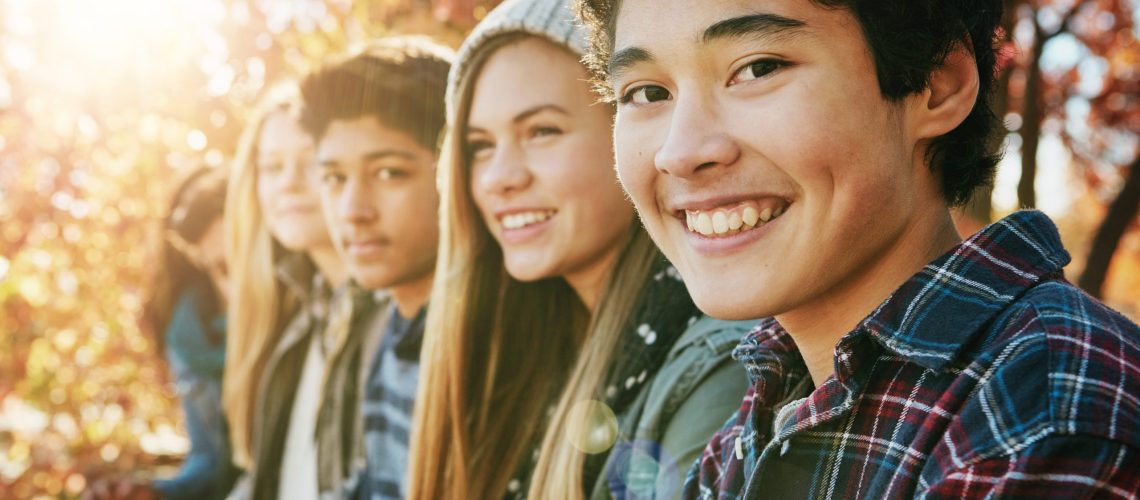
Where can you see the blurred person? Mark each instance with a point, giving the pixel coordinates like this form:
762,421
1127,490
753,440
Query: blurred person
186,314
284,274
565,358
376,116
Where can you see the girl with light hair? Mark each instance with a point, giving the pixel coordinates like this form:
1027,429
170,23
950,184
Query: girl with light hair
562,349
284,267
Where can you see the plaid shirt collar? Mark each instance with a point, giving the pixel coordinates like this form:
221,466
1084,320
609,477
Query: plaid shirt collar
935,314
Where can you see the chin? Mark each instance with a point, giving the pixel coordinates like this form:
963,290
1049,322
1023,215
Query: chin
370,280
527,271
719,301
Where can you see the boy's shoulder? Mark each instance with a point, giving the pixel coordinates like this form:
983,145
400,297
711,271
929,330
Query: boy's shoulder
1057,362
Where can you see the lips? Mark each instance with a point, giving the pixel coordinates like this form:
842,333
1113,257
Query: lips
296,208
365,247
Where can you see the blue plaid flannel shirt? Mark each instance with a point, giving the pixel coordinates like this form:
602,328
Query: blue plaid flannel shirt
985,375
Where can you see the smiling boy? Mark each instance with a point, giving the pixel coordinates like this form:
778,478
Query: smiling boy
797,159
376,118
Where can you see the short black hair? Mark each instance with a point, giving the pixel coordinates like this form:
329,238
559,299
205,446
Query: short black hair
400,81
908,39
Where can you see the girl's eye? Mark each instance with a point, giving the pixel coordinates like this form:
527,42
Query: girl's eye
479,149
332,178
542,131
645,94
757,69
270,167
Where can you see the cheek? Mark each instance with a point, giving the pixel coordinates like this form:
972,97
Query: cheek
478,196
634,165
265,193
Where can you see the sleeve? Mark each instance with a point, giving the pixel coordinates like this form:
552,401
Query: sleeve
703,414
716,473
186,339
1070,466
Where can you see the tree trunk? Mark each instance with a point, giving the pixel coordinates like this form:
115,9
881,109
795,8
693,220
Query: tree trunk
1032,115
1121,212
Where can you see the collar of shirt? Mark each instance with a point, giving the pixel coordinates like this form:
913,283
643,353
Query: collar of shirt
929,320
405,335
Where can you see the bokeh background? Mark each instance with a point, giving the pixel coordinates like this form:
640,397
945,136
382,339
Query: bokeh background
104,102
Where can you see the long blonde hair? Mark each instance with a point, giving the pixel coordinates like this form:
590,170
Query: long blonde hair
258,301
495,346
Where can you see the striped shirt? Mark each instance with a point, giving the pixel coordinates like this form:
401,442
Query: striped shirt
388,404
985,375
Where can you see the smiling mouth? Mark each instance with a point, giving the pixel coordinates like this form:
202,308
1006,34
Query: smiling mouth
520,220
729,220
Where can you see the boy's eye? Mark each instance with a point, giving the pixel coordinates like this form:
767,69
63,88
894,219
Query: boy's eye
272,167
757,69
331,178
389,173
645,94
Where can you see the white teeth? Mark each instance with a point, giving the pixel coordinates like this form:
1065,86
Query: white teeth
750,216
523,219
734,221
720,222
704,224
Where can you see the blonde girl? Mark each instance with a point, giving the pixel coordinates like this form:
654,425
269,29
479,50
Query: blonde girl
282,266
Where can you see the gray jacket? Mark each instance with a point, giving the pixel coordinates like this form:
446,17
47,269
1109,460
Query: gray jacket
695,392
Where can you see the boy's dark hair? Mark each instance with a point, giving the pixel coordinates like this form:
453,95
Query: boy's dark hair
400,81
909,39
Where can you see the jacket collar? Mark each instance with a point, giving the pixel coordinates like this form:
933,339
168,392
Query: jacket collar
938,312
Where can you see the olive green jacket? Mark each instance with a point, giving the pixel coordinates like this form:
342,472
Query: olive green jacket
665,429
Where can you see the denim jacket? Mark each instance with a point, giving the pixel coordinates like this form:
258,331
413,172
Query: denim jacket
196,357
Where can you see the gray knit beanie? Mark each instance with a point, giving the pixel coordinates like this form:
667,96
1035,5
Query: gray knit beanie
550,19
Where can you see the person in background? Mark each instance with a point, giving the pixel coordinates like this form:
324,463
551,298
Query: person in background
897,360
186,313
284,271
376,116
563,353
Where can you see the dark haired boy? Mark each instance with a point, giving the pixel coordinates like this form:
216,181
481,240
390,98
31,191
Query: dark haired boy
797,159
376,118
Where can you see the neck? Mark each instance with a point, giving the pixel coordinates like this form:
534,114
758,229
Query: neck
589,281
329,265
411,296
817,327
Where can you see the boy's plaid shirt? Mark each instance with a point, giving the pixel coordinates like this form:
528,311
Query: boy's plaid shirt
985,375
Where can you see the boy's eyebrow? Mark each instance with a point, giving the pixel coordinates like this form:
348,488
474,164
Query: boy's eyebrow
761,25
371,156
753,25
389,153
625,59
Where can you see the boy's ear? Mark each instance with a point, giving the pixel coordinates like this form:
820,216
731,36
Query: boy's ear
949,98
